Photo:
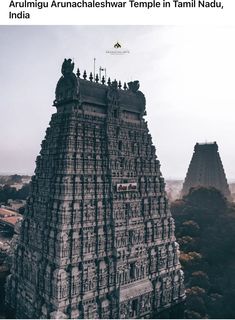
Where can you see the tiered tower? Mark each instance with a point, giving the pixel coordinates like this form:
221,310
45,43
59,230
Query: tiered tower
97,240
206,170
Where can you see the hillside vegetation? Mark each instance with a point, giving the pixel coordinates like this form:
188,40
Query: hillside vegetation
205,230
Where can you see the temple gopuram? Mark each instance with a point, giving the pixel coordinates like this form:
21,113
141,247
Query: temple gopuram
97,239
206,170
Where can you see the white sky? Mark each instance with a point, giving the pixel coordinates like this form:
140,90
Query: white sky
186,73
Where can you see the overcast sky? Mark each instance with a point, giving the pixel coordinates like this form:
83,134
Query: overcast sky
186,73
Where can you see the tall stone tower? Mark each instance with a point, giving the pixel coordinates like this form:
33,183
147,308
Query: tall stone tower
206,169
97,240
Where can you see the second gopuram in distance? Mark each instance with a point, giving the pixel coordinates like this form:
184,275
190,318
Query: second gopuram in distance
97,240
206,170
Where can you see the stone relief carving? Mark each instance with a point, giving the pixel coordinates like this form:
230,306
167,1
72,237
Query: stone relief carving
83,245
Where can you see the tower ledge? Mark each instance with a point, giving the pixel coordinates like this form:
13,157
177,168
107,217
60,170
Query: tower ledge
71,88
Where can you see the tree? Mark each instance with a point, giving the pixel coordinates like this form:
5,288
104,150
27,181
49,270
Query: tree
191,261
206,199
195,300
205,229
23,193
190,228
15,178
199,279
8,192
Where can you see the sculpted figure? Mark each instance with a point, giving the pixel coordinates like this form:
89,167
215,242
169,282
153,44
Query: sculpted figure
68,86
67,67
134,86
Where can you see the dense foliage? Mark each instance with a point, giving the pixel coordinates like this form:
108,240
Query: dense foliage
15,178
7,192
205,230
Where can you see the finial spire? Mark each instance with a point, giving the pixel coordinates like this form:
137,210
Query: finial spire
91,76
84,75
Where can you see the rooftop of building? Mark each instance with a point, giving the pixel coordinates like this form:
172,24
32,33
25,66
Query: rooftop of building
9,216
